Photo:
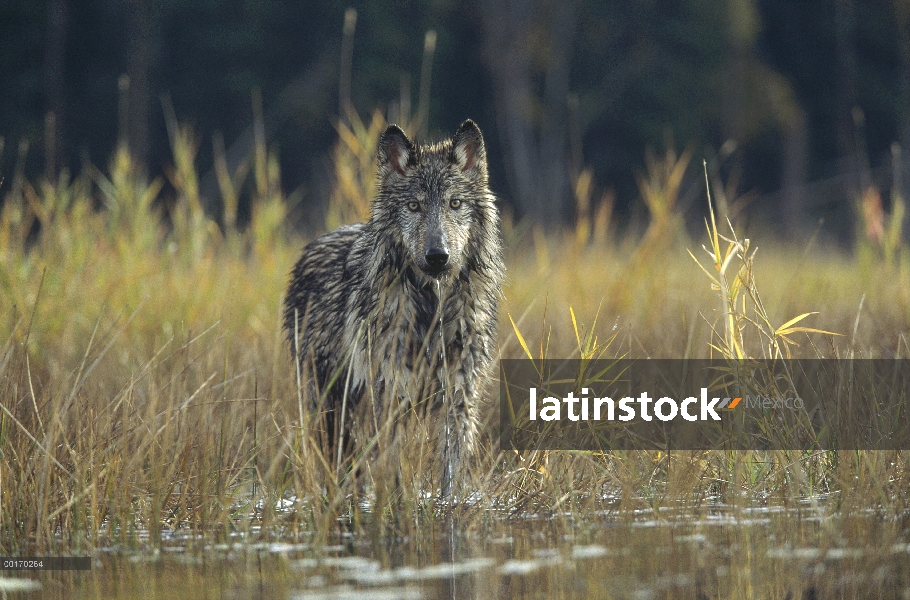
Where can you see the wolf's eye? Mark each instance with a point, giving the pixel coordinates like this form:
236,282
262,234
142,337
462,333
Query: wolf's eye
455,203
413,206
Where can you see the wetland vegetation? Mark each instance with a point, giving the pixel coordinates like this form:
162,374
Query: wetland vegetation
151,417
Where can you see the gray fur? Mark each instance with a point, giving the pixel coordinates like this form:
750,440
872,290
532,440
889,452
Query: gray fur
367,299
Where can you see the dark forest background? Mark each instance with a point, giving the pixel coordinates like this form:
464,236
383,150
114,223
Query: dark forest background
801,103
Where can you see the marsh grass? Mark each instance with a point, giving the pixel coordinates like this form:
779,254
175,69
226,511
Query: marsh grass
147,388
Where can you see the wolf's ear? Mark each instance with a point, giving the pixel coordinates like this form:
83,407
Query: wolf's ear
468,151
396,151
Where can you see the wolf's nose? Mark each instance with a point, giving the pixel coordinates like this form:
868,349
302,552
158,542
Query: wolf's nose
437,257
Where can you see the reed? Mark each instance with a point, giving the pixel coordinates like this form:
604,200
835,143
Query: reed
146,387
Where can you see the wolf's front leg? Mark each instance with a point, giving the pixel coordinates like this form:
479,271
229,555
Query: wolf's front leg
458,427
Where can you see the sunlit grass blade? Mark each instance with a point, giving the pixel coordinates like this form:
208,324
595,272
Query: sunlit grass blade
521,339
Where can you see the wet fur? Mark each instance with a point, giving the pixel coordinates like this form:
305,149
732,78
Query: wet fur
366,311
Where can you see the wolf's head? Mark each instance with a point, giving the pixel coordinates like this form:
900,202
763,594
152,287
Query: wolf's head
436,198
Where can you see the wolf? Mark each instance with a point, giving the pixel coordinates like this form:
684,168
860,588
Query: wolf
401,311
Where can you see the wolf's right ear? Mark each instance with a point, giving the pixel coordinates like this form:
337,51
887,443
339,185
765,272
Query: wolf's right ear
396,151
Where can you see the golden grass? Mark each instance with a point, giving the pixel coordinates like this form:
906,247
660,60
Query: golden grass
146,385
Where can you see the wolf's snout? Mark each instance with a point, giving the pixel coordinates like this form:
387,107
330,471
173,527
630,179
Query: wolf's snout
437,257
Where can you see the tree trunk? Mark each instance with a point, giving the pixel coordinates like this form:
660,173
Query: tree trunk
795,176
141,56
902,14
54,96
845,37
554,134
533,130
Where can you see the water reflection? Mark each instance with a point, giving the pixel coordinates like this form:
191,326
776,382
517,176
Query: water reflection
765,552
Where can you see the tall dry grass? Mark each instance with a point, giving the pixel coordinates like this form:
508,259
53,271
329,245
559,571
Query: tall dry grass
146,388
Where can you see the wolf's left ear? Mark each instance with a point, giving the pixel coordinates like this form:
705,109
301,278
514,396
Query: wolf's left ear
468,151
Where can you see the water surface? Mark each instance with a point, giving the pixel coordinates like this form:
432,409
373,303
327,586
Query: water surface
806,551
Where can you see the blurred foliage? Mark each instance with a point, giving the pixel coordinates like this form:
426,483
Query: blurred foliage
355,172
595,85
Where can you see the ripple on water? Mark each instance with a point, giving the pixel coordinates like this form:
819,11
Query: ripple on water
349,593
18,584
364,571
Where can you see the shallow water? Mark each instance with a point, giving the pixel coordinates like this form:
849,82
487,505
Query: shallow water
715,552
